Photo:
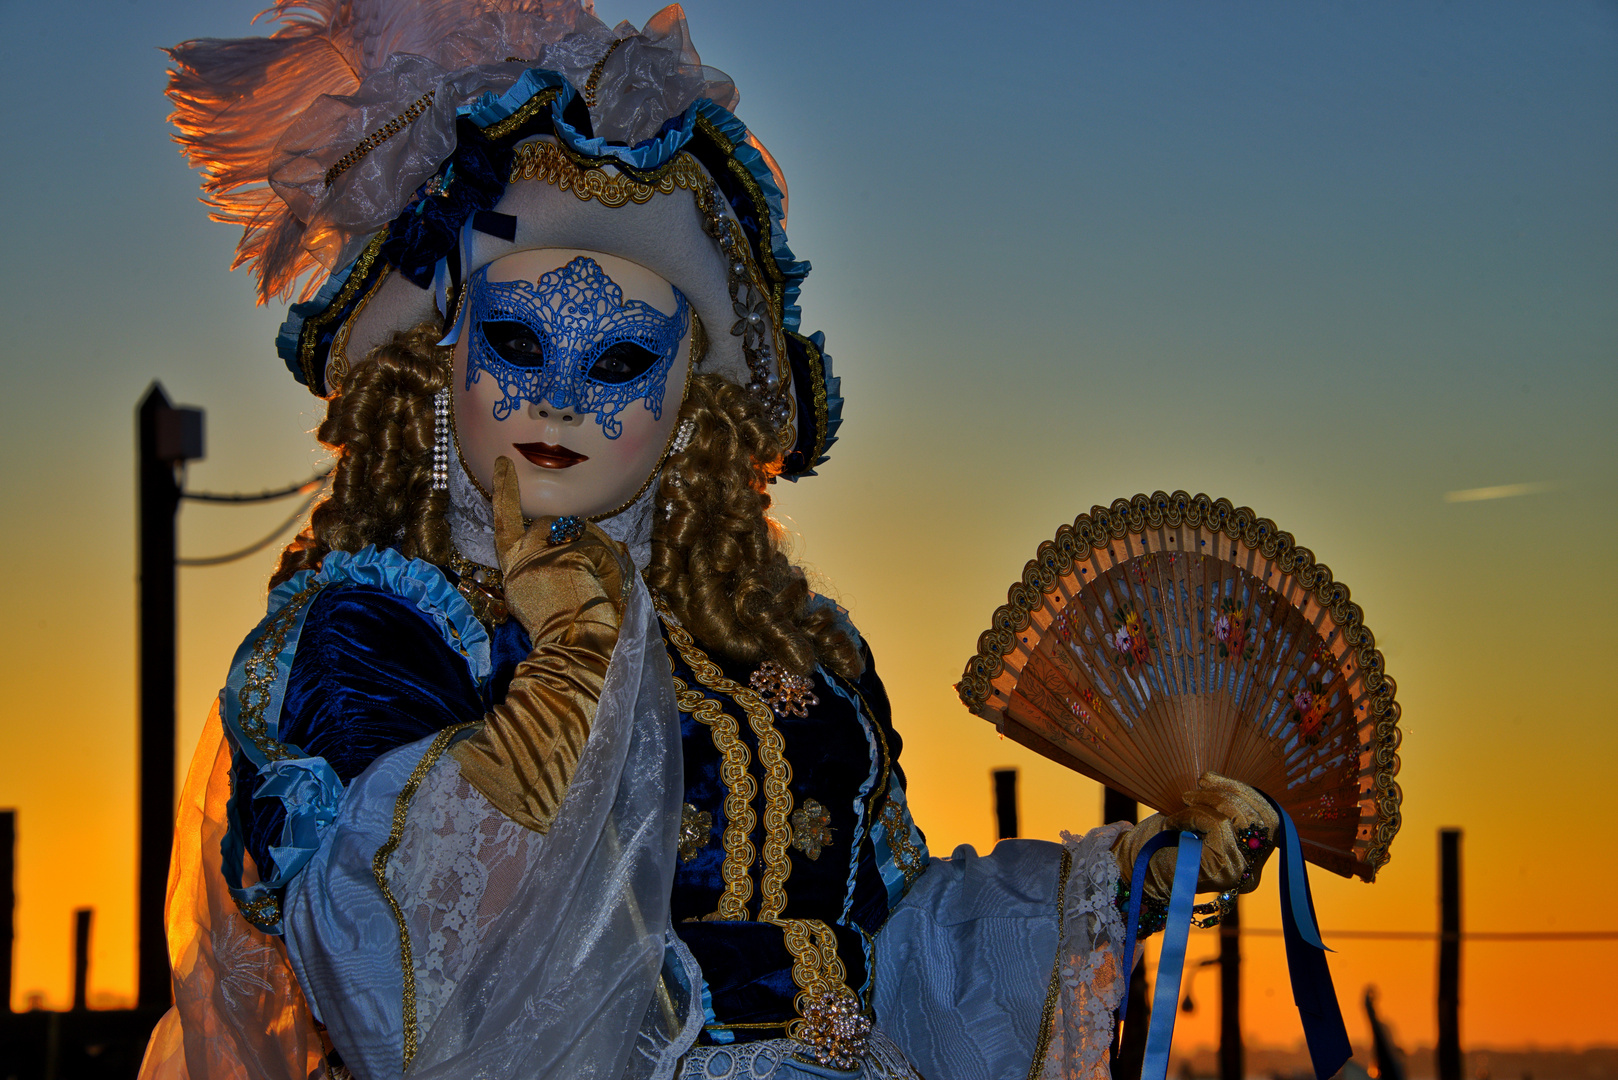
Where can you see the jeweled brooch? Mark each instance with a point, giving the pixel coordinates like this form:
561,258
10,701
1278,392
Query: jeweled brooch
835,1030
696,828
811,828
783,691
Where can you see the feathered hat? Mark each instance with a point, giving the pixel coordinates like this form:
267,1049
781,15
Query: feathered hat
376,152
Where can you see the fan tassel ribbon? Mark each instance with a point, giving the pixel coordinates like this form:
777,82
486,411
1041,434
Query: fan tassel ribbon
1312,989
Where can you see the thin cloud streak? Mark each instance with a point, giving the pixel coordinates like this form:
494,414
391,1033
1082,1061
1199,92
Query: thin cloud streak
1503,491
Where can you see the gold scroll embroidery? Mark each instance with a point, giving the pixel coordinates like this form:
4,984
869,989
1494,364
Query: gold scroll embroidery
547,162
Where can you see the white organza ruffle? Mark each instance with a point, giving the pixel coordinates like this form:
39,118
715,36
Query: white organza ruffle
653,75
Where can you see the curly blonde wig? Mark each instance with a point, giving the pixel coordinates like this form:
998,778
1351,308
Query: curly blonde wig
379,428
716,555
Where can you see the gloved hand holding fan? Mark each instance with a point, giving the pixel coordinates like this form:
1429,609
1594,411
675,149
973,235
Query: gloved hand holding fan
1238,830
1192,656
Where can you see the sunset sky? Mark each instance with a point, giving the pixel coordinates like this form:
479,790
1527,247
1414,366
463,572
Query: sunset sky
1352,265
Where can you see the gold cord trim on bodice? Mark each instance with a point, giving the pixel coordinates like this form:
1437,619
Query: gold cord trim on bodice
817,970
379,868
739,791
777,777
261,671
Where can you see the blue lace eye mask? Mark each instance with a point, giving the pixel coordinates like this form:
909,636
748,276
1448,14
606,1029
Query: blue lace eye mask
571,340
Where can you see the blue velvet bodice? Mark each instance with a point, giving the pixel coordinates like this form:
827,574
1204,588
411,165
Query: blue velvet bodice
371,672
842,758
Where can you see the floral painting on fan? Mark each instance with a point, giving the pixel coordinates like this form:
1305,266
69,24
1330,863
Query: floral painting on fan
1232,630
1309,707
1133,637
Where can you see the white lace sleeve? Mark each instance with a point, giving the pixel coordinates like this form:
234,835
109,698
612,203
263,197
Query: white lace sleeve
438,939
457,866
1094,976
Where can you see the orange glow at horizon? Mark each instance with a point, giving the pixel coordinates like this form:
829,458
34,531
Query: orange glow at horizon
1351,266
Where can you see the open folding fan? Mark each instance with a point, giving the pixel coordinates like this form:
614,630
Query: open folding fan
1170,634
1173,634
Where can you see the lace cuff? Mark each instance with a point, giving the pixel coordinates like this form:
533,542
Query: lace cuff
1092,977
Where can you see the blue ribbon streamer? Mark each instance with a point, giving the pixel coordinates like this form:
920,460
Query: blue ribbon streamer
1137,893
1312,989
1171,962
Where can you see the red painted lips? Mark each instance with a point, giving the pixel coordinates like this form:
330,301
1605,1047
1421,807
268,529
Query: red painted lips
547,456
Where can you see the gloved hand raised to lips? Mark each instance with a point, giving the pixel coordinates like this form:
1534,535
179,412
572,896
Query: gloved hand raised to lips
1219,810
568,595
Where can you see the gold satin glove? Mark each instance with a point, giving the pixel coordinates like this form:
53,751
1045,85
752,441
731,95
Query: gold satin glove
1219,809
569,597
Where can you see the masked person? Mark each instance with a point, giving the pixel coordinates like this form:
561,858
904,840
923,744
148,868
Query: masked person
545,760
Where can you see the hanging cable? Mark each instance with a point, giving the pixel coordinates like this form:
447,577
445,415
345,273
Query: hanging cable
264,496
219,560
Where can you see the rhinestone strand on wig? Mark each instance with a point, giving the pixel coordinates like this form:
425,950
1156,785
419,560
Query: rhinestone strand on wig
441,440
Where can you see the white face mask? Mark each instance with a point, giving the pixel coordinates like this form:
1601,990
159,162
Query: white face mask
572,364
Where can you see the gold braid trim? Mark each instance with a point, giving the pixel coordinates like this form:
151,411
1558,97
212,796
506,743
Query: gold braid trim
817,970
524,113
816,967
1048,1015
309,335
337,364
379,868
771,755
260,672
547,162
739,791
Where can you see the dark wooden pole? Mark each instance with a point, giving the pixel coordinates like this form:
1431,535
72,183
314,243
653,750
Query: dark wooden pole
8,902
165,437
81,958
1131,1047
1005,802
1390,1063
1231,1065
1449,954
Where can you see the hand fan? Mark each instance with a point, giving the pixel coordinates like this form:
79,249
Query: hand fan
1170,634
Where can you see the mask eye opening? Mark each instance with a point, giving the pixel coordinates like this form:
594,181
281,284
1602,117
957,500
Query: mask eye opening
515,342
622,362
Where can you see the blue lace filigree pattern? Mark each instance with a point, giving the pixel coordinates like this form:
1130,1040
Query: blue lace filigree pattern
576,313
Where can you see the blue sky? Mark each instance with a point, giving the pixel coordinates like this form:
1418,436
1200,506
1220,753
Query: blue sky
1330,260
